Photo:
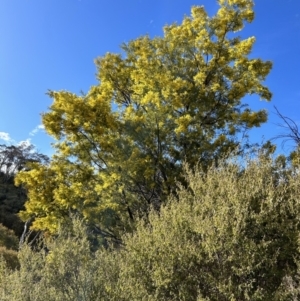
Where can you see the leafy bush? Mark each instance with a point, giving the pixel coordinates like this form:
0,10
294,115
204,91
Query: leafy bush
10,257
232,235
7,238
64,268
8,247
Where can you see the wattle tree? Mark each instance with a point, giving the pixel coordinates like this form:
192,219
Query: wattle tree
164,101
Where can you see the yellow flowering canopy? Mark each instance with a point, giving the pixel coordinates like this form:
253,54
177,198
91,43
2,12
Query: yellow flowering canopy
120,148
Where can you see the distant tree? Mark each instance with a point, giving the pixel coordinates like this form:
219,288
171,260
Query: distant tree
176,98
14,158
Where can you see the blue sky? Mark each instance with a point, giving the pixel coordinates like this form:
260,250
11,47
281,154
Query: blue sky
52,44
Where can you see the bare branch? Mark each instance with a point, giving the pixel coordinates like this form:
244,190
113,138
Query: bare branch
290,126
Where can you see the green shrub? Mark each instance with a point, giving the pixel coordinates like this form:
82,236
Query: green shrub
232,235
8,247
8,239
10,257
65,268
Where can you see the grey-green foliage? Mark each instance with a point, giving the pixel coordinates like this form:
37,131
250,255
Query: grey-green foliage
64,269
232,234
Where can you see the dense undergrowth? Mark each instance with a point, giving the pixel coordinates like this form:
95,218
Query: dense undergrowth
232,234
